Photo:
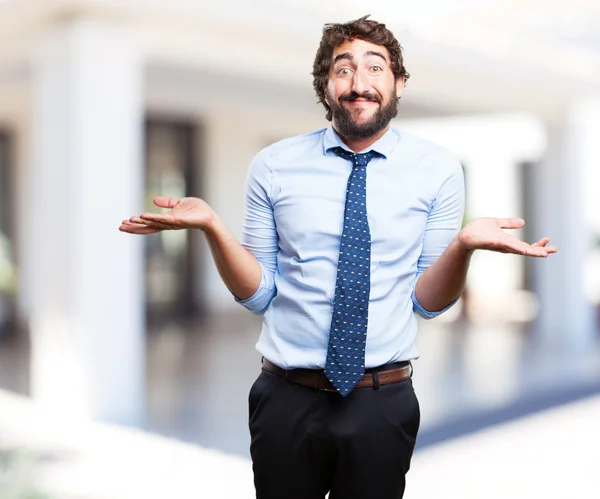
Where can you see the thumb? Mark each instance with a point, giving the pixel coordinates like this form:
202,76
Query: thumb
511,223
165,201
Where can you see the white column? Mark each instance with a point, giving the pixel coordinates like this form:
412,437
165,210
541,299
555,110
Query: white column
87,325
492,189
567,206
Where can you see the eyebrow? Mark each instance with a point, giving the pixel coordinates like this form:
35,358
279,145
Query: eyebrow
377,54
348,56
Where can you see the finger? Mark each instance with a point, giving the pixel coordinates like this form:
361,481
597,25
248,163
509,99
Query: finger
528,250
131,223
511,223
137,228
159,221
542,242
143,232
156,217
165,201
164,219
136,220
537,252
139,223
519,247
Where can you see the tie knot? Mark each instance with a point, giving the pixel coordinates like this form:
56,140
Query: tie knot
360,159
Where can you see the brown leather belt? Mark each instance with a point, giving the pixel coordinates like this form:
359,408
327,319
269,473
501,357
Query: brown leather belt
391,373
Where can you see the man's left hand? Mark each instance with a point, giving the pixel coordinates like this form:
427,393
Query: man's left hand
487,234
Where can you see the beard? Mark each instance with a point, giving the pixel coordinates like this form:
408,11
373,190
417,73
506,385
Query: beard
347,127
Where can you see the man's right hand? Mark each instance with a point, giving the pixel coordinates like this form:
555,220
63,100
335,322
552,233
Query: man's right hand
184,213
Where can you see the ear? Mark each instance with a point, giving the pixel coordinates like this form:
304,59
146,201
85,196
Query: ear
326,96
400,84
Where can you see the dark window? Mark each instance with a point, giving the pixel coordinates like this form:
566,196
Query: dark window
170,255
526,172
7,262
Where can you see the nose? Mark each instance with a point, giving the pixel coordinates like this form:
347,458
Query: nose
360,83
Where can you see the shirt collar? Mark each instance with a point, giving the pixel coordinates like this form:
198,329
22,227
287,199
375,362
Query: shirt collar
384,145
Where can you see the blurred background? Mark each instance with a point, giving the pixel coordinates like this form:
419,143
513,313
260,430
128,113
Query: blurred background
104,105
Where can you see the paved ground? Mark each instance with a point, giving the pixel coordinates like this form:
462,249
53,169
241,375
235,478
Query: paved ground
468,377
552,455
502,416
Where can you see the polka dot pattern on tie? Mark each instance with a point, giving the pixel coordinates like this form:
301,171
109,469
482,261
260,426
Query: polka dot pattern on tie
345,362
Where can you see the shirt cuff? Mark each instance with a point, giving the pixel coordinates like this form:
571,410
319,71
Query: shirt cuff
426,314
260,300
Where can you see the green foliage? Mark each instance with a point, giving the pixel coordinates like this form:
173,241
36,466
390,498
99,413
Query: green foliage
7,269
17,476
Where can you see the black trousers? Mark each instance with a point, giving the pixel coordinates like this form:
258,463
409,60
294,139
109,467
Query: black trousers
306,443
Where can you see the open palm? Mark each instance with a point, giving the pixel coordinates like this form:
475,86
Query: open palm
184,213
487,234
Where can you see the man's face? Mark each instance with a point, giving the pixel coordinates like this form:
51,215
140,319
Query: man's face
362,92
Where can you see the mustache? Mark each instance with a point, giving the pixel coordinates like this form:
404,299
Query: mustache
352,96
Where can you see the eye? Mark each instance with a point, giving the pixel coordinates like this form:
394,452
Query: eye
343,72
376,68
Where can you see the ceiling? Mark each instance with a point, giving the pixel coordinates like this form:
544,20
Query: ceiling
464,56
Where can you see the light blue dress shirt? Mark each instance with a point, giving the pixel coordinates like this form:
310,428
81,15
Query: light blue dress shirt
295,196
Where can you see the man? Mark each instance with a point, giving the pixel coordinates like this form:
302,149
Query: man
349,233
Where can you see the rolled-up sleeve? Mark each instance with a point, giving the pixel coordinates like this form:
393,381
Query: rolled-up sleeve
443,222
260,233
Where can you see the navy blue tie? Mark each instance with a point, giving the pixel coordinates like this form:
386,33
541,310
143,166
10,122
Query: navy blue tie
345,364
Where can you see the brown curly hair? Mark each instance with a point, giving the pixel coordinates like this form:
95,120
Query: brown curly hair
335,35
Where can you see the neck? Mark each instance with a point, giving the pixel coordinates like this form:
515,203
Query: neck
357,145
